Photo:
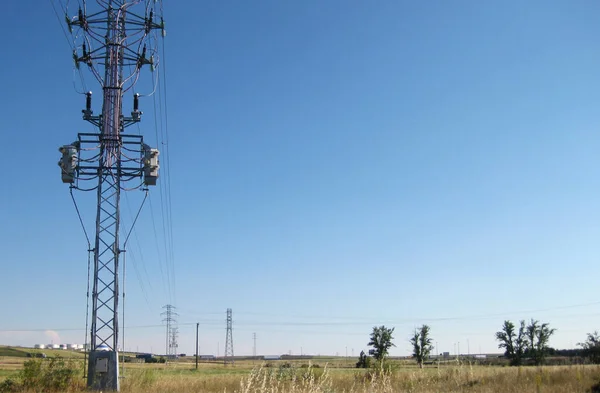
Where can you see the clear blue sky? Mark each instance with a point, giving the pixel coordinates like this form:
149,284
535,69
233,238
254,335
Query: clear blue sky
334,165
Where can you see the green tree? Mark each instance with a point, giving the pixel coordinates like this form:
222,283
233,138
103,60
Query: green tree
591,347
381,341
513,342
538,344
421,343
531,331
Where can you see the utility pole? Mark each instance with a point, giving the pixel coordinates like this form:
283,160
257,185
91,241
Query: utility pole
171,332
197,326
228,358
110,42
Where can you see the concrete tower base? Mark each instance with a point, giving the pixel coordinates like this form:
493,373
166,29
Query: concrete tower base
103,370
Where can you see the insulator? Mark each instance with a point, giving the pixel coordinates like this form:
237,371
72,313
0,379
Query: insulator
136,102
88,101
84,50
69,23
151,15
80,15
76,59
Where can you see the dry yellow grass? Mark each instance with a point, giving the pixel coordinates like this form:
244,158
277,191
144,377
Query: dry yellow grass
561,379
215,378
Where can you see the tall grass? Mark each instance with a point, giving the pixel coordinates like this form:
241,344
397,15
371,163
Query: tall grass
557,379
462,378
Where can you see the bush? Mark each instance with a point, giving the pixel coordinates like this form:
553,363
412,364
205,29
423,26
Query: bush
9,386
305,365
363,360
53,375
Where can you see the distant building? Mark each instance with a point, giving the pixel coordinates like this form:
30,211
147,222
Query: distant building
272,357
208,357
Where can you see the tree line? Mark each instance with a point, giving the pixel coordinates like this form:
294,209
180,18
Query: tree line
527,341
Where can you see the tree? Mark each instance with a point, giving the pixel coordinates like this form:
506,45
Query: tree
531,330
421,343
539,343
514,343
381,341
363,360
591,347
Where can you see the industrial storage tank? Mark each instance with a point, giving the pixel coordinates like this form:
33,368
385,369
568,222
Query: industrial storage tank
39,346
53,346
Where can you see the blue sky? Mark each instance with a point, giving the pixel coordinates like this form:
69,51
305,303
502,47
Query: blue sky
333,165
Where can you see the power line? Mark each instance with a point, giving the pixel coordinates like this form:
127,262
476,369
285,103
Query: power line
270,326
242,324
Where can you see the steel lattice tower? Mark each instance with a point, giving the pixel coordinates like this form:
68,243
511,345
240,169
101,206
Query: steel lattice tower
172,332
108,41
228,358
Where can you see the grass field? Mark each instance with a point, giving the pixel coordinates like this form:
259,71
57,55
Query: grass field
329,376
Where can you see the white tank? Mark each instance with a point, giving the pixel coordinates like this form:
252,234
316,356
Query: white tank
39,346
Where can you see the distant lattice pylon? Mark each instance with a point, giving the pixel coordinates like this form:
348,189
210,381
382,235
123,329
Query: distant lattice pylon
229,339
172,331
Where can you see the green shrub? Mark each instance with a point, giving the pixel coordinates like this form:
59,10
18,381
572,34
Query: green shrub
306,365
363,360
9,386
51,375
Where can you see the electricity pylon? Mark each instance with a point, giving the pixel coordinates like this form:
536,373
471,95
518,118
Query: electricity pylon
228,358
108,41
172,331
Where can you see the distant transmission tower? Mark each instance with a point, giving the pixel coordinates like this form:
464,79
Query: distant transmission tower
228,358
111,42
172,333
254,347
174,345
